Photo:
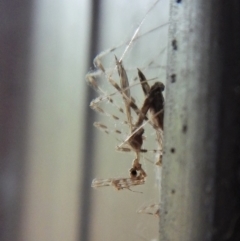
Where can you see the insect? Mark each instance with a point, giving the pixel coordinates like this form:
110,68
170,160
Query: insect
137,174
134,118
127,117
153,104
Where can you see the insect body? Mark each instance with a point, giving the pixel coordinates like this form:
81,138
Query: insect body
153,107
154,103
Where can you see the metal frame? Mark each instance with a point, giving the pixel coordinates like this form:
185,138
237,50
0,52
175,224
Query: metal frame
200,200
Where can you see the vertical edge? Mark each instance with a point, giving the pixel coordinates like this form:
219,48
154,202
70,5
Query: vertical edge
227,199
14,91
191,121
89,131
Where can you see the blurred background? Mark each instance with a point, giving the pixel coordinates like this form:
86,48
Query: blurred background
50,152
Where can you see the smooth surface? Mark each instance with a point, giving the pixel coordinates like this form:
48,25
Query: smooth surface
57,97
14,95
